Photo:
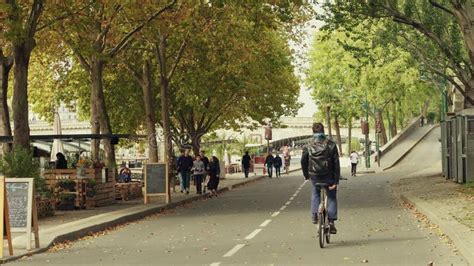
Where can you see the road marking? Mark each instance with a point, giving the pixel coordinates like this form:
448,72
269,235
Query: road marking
265,223
253,234
234,250
283,208
215,263
275,214
296,194
292,198
288,202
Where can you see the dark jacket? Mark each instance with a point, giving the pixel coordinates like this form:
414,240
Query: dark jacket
214,169
277,162
246,161
205,160
185,163
333,159
269,161
61,163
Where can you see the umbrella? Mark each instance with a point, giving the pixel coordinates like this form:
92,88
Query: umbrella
57,143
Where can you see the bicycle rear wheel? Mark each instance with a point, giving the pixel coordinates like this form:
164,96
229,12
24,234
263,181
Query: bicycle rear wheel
321,228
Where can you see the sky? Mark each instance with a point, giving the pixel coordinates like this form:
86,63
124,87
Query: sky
309,107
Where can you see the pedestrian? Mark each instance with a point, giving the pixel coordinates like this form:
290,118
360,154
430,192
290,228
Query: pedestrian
214,172
287,163
277,163
61,162
422,121
198,171
246,164
125,174
205,160
185,163
269,164
354,157
320,163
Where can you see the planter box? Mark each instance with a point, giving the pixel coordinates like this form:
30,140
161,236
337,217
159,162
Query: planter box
45,207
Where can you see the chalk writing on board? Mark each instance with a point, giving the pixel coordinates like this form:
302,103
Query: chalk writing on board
18,204
155,178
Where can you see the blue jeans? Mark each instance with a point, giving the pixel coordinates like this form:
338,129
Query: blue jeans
332,200
181,182
270,171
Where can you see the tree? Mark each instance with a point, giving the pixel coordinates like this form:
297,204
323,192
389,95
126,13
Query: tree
96,36
6,63
21,26
439,33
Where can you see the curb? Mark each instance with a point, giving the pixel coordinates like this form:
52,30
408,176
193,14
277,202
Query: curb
410,149
464,248
71,236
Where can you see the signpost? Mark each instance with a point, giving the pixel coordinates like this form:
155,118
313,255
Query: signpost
4,217
156,181
23,214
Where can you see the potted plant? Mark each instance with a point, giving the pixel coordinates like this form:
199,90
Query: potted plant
66,201
90,188
67,184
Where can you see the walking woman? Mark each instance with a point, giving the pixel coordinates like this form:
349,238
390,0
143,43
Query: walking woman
214,171
199,171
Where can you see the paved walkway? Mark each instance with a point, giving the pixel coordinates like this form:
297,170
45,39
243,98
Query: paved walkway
67,225
396,153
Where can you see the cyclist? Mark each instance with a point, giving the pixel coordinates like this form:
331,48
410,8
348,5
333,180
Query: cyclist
320,163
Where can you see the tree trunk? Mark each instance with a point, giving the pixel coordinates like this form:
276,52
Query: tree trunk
5,127
393,125
338,134
383,132
349,137
149,100
328,120
21,137
96,82
196,144
164,95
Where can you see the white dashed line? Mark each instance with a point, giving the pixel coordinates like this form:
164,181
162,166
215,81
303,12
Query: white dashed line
288,202
292,198
265,223
253,234
234,250
283,208
216,264
275,214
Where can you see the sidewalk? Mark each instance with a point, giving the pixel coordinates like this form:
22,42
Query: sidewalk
447,205
71,225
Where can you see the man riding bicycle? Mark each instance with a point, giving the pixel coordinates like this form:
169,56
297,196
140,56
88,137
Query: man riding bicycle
320,163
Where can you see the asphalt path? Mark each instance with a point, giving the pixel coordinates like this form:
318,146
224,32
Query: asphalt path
266,223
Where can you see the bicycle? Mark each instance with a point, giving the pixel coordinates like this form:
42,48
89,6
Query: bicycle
324,234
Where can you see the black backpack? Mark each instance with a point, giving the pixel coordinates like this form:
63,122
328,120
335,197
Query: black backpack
320,158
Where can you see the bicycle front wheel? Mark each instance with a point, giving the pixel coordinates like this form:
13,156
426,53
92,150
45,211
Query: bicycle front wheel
321,229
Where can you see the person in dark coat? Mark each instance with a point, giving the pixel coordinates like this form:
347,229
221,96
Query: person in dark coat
277,163
269,164
214,172
185,163
61,162
205,160
246,163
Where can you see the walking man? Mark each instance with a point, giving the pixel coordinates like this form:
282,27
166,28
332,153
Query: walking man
185,163
354,161
199,172
320,163
246,164
269,164
205,160
277,163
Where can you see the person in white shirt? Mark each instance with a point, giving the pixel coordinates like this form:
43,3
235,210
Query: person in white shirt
354,161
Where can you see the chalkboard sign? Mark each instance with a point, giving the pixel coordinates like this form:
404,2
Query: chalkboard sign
156,180
20,196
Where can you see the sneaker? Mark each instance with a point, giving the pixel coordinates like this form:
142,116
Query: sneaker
314,218
332,228
182,191
187,192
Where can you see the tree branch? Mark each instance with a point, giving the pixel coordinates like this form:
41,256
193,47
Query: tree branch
126,39
439,6
178,57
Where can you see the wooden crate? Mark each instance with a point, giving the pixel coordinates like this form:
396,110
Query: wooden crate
128,191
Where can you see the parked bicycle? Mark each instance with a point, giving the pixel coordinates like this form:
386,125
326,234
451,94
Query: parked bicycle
324,234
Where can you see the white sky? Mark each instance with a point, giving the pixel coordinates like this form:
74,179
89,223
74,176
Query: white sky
309,107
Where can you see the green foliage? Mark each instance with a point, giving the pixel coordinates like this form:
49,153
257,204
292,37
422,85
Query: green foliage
355,145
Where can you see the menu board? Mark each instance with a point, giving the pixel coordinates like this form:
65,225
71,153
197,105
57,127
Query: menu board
19,196
155,178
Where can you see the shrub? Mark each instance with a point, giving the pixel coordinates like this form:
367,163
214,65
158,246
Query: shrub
20,163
